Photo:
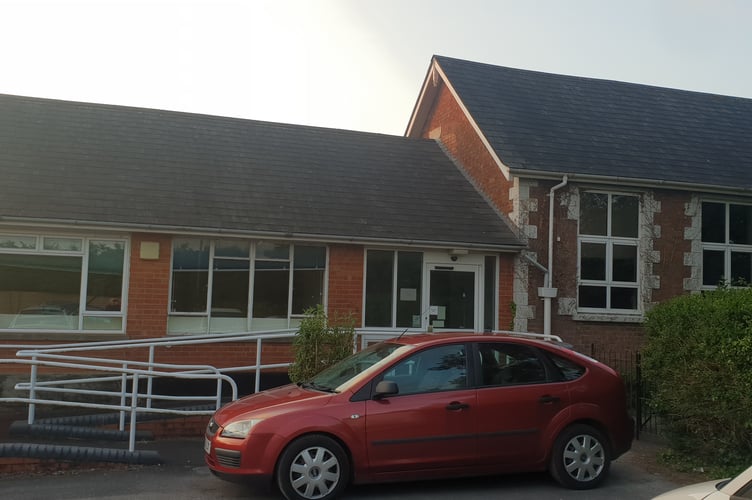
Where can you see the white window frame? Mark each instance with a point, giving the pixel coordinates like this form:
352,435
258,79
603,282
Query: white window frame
293,320
83,253
609,241
727,248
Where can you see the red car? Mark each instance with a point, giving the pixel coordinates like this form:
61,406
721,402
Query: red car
428,406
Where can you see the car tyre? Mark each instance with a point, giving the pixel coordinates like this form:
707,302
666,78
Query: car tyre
581,457
313,468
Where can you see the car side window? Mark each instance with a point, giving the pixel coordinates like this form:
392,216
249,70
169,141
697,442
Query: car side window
503,364
441,368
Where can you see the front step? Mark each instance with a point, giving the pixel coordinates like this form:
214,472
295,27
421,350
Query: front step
79,453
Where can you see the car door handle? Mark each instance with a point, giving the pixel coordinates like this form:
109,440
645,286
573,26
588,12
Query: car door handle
547,399
456,406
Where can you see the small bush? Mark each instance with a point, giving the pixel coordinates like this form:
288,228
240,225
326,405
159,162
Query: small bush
699,358
320,343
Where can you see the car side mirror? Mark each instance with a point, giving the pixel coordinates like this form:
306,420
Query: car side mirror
385,388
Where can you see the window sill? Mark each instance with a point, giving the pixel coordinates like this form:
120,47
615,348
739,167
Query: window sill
606,317
61,337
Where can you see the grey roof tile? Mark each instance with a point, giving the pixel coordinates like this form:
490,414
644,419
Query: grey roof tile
542,122
105,164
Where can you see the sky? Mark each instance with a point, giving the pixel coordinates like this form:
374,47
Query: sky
353,64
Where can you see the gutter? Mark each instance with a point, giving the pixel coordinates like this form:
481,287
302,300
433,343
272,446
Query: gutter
633,181
198,231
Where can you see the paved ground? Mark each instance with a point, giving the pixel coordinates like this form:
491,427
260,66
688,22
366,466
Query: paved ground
183,475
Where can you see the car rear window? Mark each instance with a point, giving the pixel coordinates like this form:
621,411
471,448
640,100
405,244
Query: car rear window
569,369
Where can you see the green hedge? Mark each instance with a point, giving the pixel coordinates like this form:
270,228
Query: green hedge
320,343
698,358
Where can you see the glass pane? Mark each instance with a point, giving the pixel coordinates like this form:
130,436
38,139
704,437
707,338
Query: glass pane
103,323
190,275
625,216
714,222
593,261
409,278
19,242
308,278
454,294
625,263
713,267
39,291
270,286
104,286
594,213
232,248
63,244
623,298
440,369
310,257
592,296
741,268
379,272
230,288
276,251
740,224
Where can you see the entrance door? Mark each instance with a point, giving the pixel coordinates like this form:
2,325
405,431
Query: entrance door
453,297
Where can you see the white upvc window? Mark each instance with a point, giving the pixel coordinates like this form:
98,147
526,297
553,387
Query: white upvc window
608,250
726,244
228,285
62,283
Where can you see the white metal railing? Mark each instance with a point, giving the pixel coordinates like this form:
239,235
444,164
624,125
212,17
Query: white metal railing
101,370
125,371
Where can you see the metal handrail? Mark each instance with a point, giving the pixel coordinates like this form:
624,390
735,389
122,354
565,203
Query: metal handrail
132,371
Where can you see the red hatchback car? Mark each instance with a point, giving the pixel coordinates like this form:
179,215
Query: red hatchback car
425,406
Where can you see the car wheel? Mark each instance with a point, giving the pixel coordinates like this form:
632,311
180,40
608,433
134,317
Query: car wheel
580,459
313,468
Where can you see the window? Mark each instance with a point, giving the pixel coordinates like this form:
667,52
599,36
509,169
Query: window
61,283
726,244
608,250
393,289
442,368
238,285
509,364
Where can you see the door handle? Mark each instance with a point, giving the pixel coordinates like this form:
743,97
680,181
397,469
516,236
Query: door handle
456,406
547,399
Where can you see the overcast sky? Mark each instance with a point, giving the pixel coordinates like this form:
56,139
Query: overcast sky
353,64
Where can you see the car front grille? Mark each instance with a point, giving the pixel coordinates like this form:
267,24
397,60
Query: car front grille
227,458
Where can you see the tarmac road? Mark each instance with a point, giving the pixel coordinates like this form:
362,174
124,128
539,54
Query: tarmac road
184,476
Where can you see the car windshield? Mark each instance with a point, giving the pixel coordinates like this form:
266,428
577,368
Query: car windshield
332,378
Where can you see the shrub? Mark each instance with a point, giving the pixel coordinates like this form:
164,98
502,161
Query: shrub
699,358
320,343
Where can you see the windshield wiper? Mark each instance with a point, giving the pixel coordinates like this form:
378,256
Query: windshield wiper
315,386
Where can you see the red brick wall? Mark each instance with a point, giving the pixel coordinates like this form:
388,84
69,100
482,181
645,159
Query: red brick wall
506,298
462,141
346,281
149,288
672,245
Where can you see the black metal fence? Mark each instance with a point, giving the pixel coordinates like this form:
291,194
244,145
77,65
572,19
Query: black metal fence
629,365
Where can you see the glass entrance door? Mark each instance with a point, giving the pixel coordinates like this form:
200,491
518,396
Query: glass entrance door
453,297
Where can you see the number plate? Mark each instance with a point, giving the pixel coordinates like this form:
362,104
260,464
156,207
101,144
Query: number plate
207,446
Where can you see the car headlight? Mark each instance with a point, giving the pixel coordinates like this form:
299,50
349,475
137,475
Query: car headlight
239,429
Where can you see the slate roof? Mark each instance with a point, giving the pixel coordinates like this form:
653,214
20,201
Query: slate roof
71,162
547,123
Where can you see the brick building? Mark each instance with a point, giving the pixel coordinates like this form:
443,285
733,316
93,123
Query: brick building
626,195
133,223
